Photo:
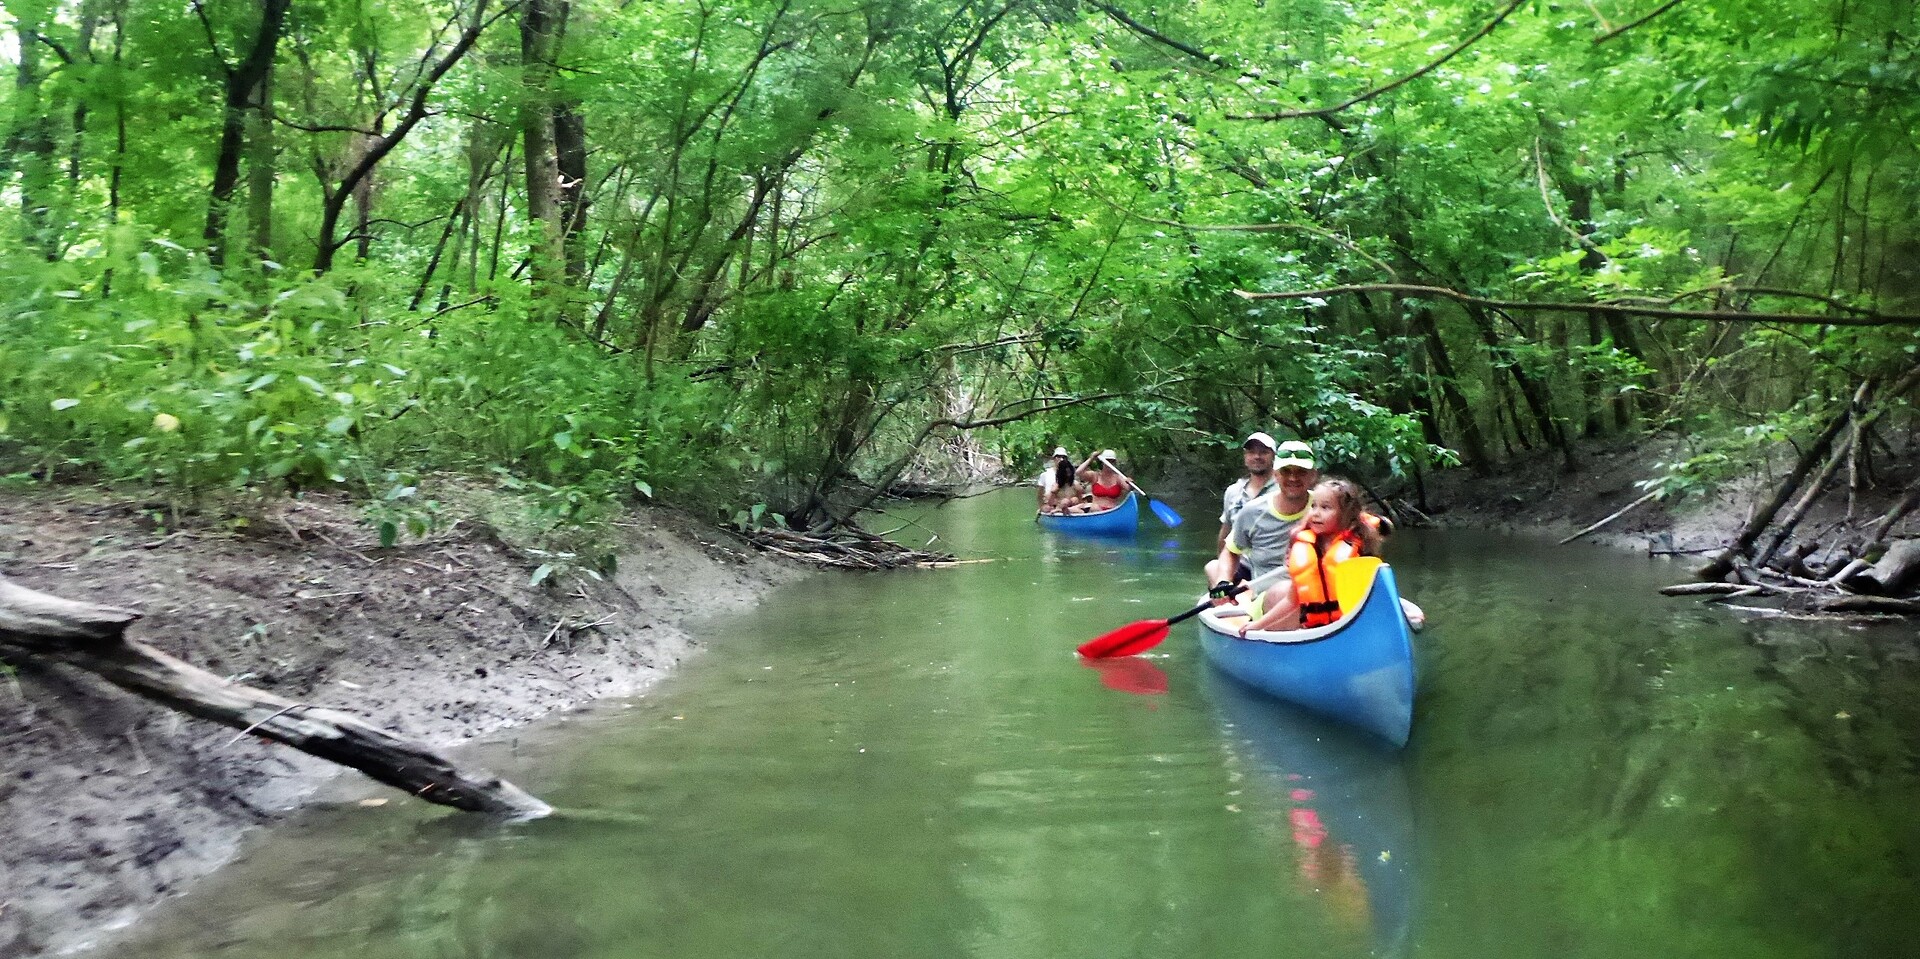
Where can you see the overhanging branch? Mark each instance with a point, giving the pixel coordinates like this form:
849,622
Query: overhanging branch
1867,318
1360,98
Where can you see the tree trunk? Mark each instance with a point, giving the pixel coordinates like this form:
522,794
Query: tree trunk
538,41
1530,390
335,199
1749,534
570,155
30,146
263,163
243,83
1470,437
93,638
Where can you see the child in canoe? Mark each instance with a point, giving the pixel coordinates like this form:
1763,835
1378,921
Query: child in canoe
1059,488
1332,532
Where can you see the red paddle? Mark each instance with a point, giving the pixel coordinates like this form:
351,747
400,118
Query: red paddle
1134,637
1139,637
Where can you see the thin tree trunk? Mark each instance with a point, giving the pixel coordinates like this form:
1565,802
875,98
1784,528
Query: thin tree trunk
242,83
1530,390
263,161
335,199
1860,419
30,146
570,154
538,41
1470,436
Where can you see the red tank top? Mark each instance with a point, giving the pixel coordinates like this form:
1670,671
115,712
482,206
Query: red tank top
1115,491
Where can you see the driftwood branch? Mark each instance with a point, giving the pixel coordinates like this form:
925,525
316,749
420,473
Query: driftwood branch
848,549
1702,589
1616,514
93,638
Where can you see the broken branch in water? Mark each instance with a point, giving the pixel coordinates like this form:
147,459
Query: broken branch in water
1616,514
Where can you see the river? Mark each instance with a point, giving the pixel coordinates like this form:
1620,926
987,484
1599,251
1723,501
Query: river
916,764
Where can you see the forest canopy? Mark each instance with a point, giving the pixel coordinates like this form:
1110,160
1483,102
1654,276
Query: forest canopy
770,255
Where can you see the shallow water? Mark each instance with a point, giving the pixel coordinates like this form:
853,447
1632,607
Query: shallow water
915,764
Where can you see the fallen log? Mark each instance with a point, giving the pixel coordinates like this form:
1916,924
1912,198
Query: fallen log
1896,568
1869,604
1756,525
93,638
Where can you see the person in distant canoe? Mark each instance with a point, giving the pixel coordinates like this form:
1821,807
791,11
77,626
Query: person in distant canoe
1058,487
1108,488
1256,536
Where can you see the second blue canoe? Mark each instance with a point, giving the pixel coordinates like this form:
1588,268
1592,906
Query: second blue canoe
1121,520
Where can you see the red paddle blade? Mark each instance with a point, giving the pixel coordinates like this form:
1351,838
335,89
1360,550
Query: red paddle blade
1130,674
1126,641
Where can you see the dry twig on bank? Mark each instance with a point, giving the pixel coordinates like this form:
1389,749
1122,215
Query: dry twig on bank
844,549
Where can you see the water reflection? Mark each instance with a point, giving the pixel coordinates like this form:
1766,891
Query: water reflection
1130,674
1347,805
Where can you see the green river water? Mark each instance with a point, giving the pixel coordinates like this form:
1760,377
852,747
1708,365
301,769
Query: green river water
916,764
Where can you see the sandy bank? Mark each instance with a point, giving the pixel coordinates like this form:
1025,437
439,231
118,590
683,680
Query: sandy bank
110,804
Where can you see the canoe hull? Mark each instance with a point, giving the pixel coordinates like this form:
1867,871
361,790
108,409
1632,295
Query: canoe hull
1122,520
1358,670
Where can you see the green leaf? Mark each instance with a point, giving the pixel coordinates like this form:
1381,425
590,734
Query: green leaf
540,575
389,533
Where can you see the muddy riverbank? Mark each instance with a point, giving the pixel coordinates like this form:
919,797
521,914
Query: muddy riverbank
112,803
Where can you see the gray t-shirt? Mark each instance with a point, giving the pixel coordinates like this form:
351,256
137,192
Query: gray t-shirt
1260,535
1239,495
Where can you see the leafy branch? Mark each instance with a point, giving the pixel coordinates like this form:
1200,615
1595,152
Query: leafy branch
1864,317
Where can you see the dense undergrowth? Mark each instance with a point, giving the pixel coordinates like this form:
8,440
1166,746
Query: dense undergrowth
198,386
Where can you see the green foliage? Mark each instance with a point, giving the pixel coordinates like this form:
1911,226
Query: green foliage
814,245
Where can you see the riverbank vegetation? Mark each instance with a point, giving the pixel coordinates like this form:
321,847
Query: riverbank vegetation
765,257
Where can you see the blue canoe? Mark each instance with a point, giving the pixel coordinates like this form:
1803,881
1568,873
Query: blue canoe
1358,670
1121,520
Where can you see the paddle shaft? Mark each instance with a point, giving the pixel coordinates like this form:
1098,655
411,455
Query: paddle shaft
1157,505
1129,479
1138,637
1258,585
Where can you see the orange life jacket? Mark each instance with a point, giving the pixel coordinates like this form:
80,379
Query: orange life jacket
1311,568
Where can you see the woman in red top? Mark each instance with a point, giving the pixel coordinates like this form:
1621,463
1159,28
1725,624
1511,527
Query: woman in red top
1110,489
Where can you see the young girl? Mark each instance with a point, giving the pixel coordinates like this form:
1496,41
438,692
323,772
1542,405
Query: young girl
1330,533
1065,491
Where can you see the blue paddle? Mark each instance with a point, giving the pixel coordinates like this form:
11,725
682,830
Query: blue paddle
1166,514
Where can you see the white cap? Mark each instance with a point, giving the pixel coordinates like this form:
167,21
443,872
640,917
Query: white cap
1260,438
1295,453
1106,455
1060,451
